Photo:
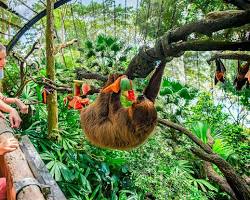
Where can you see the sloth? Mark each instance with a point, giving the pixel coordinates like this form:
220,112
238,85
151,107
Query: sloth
107,124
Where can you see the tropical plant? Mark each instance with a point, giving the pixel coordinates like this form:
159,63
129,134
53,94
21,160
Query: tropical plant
105,55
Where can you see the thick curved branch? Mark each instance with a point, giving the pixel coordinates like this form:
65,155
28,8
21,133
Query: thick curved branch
232,56
188,133
237,184
207,45
172,43
241,4
207,27
83,74
143,63
215,177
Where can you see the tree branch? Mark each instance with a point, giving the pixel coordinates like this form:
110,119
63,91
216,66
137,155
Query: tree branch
64,45
188,133
207,27
23,59
83,74
49,83
61,88
143,63
2,33
23,62
215,177
237,184
207,45
232,56
34,47
241,4
167,47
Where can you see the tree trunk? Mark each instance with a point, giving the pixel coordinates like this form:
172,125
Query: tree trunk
50,71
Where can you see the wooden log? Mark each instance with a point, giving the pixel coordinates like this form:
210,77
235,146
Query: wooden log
39,169
15,168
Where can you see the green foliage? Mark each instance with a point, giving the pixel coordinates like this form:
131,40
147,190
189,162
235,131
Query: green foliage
173,99
11,77
86,172
231,140
200,130
157,171
28,94
81,170
242,95
205,111
220,148
155,17
55,165
238,138
176,90
204,185
205,6
105,55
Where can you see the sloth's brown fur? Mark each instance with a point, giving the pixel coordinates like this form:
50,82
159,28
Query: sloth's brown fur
107,124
